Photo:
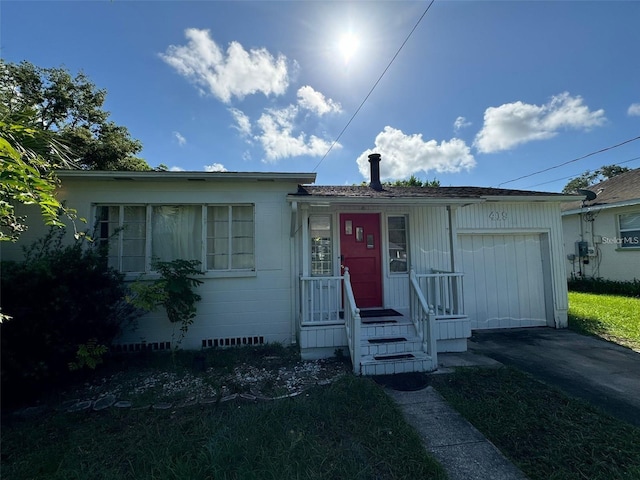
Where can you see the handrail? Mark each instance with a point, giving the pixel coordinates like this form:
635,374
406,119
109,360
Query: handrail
423,317
443,290
352,322
321,300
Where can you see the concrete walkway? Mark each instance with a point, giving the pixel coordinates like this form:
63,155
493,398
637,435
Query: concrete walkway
462,450
602,373
459,447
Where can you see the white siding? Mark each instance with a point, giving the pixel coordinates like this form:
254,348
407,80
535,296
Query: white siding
531,219
504,284
609,261
256,304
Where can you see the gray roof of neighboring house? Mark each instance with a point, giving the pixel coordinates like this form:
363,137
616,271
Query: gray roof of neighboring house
620,189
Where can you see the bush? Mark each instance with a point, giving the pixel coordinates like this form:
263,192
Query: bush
607,287
62,300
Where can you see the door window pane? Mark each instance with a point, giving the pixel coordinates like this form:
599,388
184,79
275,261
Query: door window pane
321,245
397,230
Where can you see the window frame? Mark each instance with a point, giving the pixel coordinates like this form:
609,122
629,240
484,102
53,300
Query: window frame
332,244
633,233
406,249
148,247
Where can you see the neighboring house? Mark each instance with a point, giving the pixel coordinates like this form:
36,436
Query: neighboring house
314,265
602,235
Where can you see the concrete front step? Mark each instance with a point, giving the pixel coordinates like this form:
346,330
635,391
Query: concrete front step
387,330
390,345
390,364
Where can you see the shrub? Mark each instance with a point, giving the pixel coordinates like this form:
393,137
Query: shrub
174,291
608,287
62,300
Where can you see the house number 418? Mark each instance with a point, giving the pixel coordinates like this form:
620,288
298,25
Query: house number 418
497,216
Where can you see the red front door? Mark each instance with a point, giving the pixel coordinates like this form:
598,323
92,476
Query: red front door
360,251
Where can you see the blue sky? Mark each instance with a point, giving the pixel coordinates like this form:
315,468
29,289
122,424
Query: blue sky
482,92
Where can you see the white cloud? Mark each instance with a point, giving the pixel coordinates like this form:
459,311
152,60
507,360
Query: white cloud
515,123
460,122
279,141
316,102
181,140
243,124
215,167
634,110
176,169
404,155
238,73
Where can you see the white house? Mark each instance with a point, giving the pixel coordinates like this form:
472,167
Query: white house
602,234
390,275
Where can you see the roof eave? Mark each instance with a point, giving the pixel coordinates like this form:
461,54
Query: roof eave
336,200
299,178
532,198
626,203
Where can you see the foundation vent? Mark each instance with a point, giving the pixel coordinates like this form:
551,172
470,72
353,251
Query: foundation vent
142,347
231,341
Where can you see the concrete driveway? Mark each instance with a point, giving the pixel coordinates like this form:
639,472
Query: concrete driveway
602,373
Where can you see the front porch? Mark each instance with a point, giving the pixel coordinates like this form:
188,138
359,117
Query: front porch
398,340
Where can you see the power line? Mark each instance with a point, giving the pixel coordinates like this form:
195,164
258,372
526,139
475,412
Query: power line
571,161
577,174
333,144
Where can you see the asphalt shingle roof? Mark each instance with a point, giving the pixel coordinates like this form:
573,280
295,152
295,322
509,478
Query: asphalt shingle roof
621,188
413,192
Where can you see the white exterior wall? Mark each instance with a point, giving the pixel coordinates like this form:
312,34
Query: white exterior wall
233,305
528,218
609,261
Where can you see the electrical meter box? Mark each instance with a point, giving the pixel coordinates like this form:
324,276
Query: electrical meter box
582,249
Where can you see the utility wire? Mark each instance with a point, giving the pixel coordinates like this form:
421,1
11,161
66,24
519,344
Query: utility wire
571,161
577,174
333,144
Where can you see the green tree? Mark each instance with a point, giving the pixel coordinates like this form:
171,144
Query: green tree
589,178
413,181
71,108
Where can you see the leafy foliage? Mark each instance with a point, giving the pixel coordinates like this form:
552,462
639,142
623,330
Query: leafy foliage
589,178
89,355
174,291
59,298
413,181
70,108
26,177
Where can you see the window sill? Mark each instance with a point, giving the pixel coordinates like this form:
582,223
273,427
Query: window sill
132,277
628,249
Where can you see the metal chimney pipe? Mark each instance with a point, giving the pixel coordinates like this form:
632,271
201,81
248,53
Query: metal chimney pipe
374,160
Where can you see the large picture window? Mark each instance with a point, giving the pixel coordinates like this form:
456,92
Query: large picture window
397,231
220,236
629,230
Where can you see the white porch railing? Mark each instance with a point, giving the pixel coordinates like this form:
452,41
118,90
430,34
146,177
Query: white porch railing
352,322
423,317
443,291
321,300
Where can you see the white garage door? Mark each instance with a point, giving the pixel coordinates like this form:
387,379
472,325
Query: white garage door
503,282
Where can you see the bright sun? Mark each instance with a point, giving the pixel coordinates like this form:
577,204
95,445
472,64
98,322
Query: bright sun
348,46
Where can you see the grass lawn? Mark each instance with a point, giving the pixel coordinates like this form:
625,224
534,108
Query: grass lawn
614,318
347,430
548,435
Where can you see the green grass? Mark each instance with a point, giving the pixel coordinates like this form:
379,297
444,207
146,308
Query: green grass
545,433
350,429
612,317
